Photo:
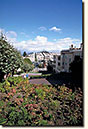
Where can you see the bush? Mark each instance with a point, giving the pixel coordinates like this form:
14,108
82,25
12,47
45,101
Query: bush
27,67
25,104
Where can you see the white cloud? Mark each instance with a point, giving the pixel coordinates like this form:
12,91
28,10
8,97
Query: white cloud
55,29
41,40
42,28
54,40
41,43
66,43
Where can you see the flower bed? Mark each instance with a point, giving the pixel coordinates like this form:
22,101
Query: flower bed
25,104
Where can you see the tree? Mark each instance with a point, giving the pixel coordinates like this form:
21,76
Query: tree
76,68
35,57
27,60
24,54
27,65
10,58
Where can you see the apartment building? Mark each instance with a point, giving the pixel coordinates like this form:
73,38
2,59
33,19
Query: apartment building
67,56
41,57
62,62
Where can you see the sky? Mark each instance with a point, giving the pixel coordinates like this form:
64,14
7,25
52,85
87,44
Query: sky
36,25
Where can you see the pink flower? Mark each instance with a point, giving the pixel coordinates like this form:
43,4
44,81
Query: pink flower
26,105
21,99
18,103
35,96
14,91
35,105
31,108
33,113
31,104
70,90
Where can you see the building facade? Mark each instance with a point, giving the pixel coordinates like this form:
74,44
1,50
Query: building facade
56,63
62,62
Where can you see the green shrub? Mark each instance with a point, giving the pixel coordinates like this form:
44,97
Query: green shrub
25,104
26,60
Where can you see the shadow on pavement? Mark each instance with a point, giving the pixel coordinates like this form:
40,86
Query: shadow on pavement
64,79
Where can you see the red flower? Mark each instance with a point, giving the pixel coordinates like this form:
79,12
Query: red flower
10,94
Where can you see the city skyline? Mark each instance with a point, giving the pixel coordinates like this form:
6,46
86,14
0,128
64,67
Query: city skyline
50,25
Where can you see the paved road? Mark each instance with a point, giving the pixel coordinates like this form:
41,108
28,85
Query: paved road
39,81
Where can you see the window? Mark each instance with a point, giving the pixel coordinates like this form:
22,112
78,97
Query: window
54,57
59,64
54,61
59,58
65,56
69,59
63,63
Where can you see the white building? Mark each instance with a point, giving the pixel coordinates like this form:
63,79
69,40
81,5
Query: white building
62,62
31,57
67,57
41,57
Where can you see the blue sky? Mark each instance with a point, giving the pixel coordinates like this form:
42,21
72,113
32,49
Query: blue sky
34,25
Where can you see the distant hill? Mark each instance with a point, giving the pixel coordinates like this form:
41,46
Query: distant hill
39,52
30,53
44,51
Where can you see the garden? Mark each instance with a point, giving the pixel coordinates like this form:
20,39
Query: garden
25,104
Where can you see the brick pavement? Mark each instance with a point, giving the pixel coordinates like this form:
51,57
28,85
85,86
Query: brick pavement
39,81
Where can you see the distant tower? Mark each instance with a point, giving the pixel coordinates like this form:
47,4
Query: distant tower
71,46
